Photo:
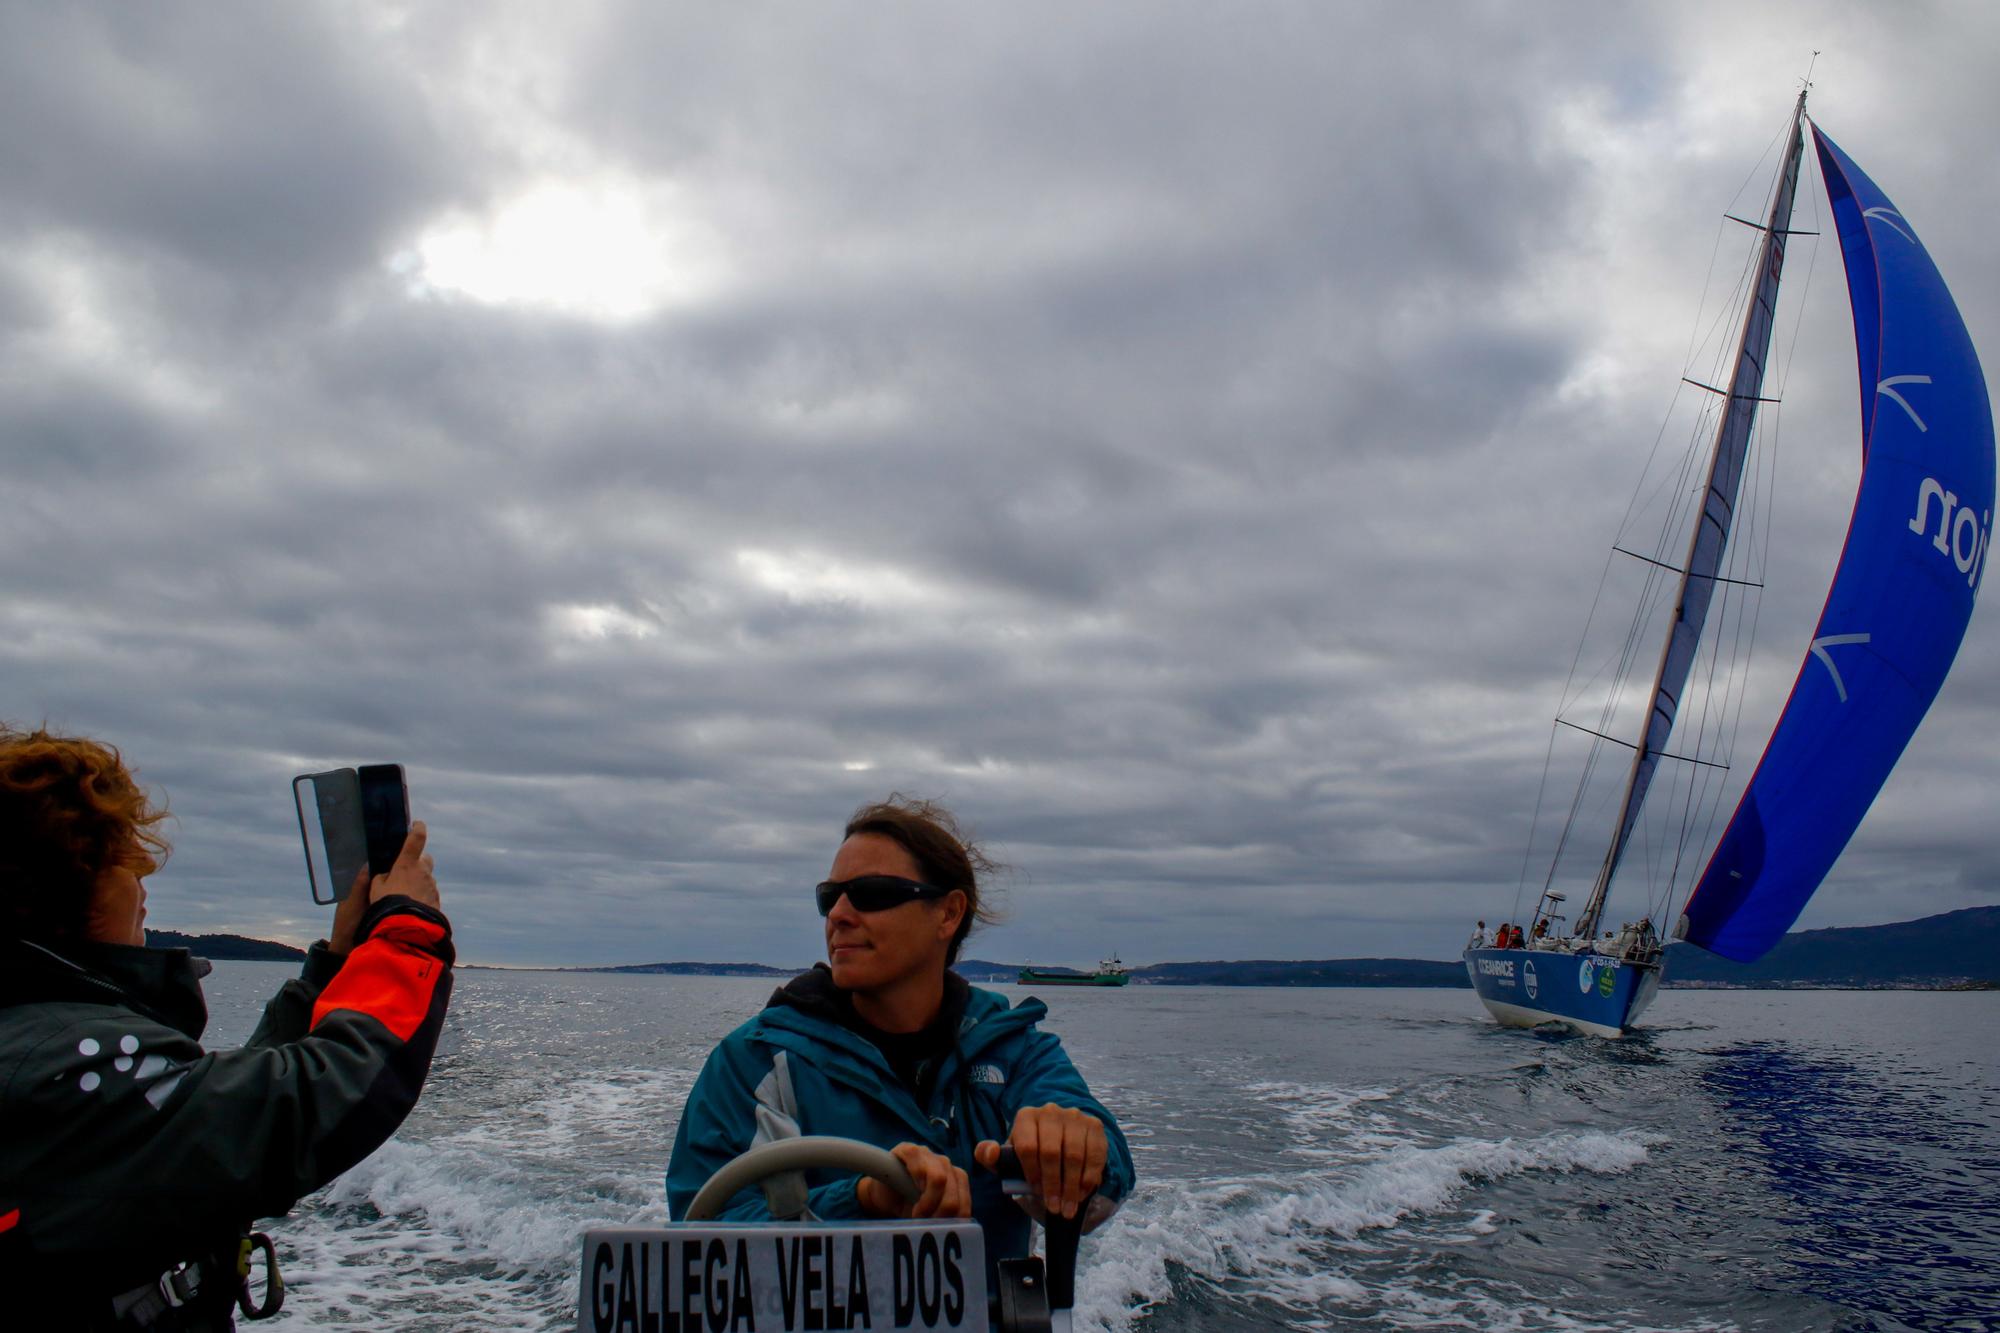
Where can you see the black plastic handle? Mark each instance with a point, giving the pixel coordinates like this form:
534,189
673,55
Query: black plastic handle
1062,1236
1059,1247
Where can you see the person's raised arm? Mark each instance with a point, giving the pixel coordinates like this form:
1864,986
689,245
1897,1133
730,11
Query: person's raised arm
289,1012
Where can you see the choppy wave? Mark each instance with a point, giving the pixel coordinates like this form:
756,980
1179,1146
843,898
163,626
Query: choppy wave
1281,1240
479,1226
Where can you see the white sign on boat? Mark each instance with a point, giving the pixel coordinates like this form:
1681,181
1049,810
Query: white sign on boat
765,1277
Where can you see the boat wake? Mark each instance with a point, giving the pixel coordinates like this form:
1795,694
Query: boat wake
478,1226
1302,1246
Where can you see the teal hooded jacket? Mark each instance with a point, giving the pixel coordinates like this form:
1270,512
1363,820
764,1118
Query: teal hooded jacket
790,1071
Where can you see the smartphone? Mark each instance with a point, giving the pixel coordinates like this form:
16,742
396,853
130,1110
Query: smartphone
348,819
385,814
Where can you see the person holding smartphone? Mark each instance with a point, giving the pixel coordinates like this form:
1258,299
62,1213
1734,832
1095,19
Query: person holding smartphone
133,1160
884,1043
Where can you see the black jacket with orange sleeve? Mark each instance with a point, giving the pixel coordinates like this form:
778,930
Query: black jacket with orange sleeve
125,1148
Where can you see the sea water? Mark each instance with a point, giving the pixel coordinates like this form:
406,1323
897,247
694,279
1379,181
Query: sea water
1308,1159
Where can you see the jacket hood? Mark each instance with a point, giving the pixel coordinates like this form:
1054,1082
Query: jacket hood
163,984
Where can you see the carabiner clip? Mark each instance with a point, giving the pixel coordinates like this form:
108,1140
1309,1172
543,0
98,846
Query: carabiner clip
274,1282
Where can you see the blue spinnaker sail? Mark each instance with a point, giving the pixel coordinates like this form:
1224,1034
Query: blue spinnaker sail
1902,593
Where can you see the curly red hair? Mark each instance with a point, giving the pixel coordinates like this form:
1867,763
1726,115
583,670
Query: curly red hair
69,810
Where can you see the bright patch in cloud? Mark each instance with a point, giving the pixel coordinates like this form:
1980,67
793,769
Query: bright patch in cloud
606,250
592,623
803,576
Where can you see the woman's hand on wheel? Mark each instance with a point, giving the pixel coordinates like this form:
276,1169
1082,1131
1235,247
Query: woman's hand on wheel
943,1188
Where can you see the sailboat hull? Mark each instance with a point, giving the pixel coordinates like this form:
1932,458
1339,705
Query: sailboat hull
1589,992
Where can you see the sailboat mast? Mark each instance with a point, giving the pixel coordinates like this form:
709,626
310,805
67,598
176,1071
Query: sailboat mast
1711,530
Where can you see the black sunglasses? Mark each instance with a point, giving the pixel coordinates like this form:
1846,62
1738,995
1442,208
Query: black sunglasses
874,893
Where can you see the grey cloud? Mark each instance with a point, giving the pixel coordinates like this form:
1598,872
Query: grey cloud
272,144
1186,405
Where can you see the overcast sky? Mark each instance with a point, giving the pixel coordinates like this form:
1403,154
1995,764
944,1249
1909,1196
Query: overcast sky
1184,438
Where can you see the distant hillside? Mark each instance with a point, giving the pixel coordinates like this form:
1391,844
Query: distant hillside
978,970
1263,972
1953,949
696,969
1314,972
237,948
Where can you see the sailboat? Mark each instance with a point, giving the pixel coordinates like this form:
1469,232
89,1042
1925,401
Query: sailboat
1901,597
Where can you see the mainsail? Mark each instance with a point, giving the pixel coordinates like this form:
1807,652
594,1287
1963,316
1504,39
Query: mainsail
1902,592
1718,511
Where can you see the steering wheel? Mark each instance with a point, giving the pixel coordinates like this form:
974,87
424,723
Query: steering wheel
783,1156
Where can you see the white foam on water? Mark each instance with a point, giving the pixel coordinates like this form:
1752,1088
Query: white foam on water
631,1107
1311,1111
478,1228
1270,1238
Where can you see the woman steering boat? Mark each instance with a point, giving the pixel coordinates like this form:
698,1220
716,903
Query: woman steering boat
885,1044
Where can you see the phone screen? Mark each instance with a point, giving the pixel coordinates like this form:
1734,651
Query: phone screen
385,814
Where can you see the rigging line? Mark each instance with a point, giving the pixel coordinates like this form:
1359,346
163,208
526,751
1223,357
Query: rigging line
1757,169
1678,497
1758,226
1642,615
1708,281
1705,713
1730,319
1729,316
1705,807
1588,773
1528,854
1695,340
1577,797
1725,393
1749,614
1576,658
1744,614
1740,614
1736,688
1681,502
1569,822
1770,457
1639,493
1664,754
1698,785
1708,420
1632,505
1705,796
1680,505
1728,312
1674,569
